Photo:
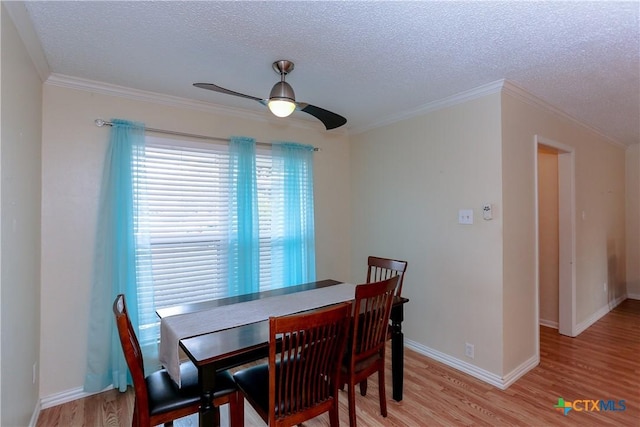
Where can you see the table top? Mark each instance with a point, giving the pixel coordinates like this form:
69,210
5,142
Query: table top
234,346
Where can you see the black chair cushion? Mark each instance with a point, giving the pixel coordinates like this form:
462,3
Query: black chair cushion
165,395
254,382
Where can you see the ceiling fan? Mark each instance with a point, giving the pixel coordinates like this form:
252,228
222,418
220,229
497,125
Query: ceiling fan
282,100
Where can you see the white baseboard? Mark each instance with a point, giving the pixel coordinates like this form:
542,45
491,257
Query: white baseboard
67,396
479,373
58,399
520,371
36,413
549,323
505,381
582,326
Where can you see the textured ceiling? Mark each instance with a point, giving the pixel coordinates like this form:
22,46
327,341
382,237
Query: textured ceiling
365,60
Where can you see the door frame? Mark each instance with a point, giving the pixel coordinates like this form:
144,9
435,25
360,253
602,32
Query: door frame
566,237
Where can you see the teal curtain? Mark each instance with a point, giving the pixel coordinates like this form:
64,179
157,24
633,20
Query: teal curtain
115,258
293,220
244,235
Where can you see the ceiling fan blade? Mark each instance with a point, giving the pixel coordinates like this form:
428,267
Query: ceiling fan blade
329,119
211,86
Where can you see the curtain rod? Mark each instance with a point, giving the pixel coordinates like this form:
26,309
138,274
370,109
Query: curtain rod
101,123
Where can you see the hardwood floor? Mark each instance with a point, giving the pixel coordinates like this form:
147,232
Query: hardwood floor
603,363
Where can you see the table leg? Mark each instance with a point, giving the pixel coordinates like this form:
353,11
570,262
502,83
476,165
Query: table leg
209,415
397,352
397,364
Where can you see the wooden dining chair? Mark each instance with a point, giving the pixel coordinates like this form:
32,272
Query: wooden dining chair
367,341
300,380
158,399
381,269
385,268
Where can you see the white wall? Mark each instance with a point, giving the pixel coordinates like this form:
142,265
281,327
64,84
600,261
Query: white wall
409,179
21,124
633,221
600,236
73,152
477,283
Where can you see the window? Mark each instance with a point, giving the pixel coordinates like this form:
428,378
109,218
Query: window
183,224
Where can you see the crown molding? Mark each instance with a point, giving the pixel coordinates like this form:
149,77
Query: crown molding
20,17
102,88
504,86
459,98
517,92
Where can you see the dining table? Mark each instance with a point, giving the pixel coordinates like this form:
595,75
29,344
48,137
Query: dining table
212,349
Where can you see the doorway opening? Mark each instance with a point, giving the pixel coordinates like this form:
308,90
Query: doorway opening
555,236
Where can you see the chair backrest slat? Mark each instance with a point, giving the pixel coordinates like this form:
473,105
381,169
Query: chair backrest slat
380,269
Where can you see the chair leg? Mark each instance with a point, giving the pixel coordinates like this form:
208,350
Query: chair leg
135,422
352,404
381,392
363,387
334,420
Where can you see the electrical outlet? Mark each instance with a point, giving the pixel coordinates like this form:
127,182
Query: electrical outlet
468,350
34,373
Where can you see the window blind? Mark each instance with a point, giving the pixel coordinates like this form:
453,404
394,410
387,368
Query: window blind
184,218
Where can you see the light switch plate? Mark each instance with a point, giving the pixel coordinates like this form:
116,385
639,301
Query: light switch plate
465,216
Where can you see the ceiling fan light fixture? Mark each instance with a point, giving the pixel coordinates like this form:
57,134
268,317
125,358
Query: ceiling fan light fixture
282,100
281,107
